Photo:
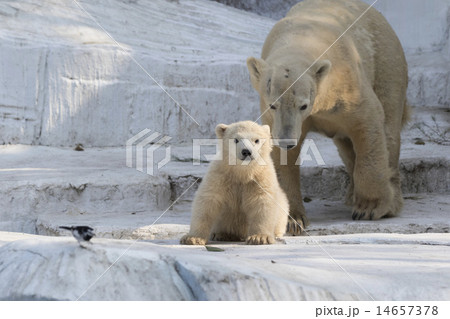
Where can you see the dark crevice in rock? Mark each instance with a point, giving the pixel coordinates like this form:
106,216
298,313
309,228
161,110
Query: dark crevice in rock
191,282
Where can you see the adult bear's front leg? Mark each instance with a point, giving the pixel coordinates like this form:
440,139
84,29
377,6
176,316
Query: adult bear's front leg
289,177
373,192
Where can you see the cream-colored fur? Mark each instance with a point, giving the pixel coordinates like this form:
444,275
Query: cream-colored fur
355,93
240,197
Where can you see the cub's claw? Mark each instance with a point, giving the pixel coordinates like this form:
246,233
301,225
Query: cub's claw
260,239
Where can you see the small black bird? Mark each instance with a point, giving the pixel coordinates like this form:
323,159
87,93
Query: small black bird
81,233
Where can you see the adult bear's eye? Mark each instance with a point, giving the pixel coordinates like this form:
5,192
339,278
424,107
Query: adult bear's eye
273,107
256,141
303,107
236,140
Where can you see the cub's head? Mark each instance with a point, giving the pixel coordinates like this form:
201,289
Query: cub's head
245,143
288,95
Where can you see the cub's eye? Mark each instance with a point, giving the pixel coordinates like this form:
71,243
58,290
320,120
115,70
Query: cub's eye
303,107
236,140
256,141
273,107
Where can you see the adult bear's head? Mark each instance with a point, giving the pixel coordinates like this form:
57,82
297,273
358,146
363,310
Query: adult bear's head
288,94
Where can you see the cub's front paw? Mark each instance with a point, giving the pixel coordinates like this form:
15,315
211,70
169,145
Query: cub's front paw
191,240
260,239
296,224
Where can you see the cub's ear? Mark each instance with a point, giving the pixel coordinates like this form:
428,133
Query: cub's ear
220,130
255,68
322,68
266,128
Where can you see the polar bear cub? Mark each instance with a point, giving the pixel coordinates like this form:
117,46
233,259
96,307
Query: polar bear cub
240,197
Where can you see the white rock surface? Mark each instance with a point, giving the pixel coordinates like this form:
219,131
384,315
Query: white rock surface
429,78
423,27
430,30
67,82
274,9
382,267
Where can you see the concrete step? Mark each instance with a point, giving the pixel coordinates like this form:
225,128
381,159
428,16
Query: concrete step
166,223
424,213
44,184
40,180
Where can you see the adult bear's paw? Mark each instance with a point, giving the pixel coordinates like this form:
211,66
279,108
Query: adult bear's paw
260,239
370,209
191,240
296,225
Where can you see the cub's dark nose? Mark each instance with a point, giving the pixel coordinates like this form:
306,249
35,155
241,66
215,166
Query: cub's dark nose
245,152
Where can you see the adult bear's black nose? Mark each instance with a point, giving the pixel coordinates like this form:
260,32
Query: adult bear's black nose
245,152
287,143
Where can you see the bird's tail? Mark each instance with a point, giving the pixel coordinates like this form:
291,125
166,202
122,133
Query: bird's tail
65,227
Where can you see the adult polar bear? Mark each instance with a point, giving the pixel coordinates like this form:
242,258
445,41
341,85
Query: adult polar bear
315,75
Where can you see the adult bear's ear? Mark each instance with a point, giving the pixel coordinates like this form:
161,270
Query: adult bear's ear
220,130
255,68
322,68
